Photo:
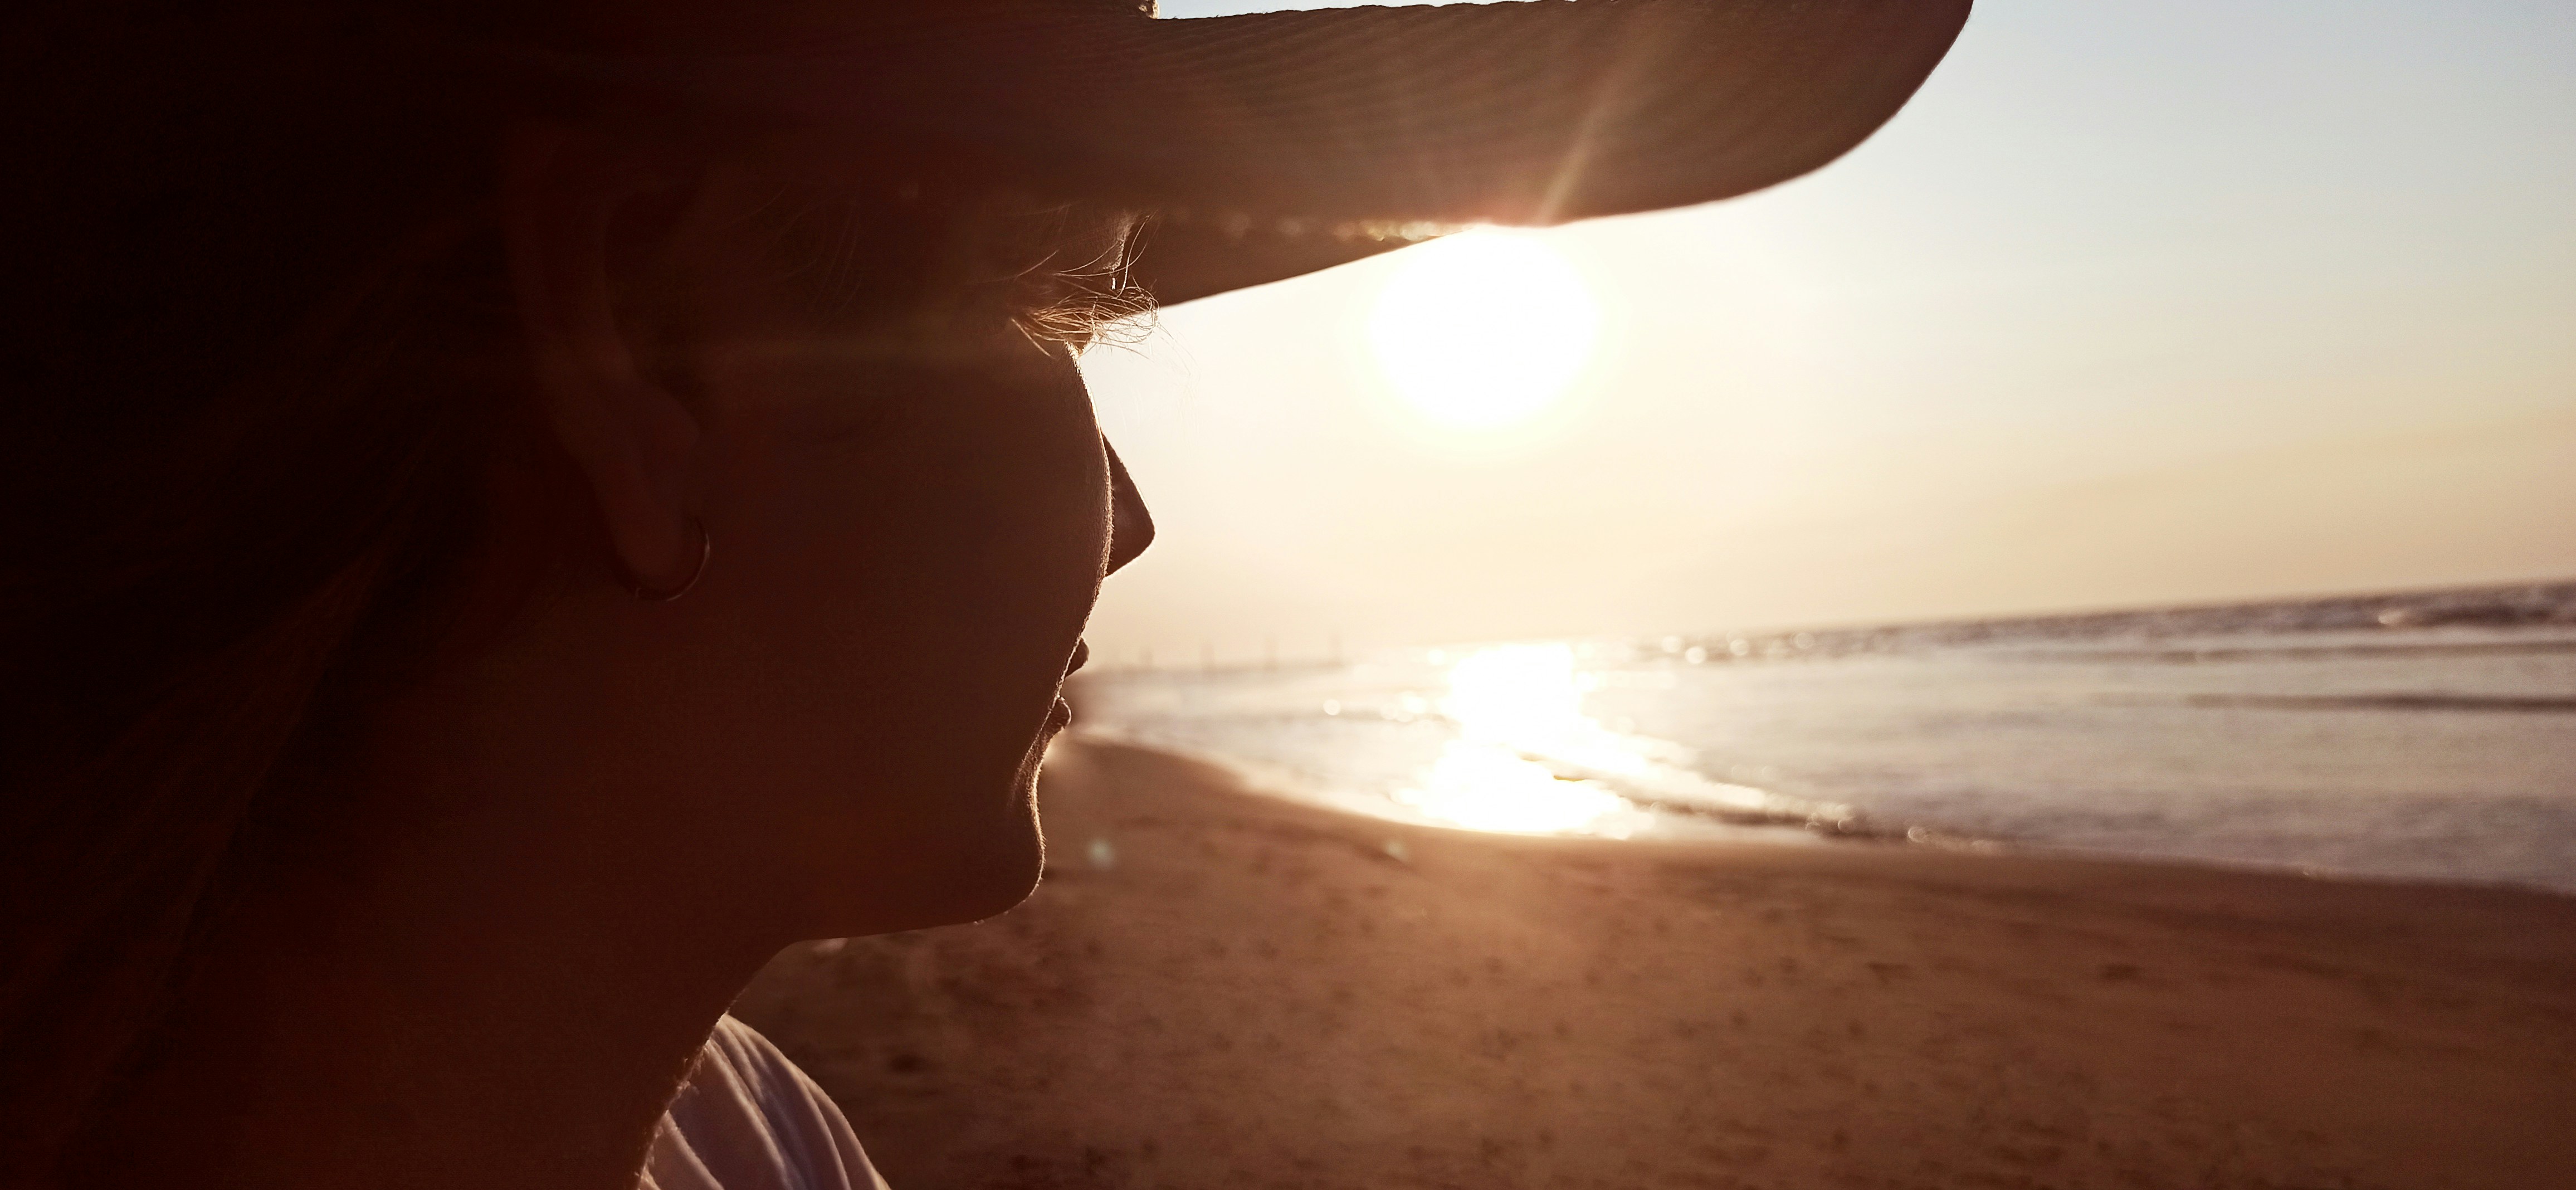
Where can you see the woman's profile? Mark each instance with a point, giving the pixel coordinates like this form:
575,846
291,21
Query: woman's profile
522,510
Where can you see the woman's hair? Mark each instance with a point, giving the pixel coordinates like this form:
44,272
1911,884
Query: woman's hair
260,369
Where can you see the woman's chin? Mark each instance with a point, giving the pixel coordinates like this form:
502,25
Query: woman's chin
932,842
1002,874
974,872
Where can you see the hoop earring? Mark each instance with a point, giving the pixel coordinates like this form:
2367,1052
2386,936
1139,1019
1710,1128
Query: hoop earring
706,550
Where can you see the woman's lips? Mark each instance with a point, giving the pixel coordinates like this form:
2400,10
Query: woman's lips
1061,714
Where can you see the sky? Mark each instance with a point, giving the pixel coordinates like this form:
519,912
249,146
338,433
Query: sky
2133,305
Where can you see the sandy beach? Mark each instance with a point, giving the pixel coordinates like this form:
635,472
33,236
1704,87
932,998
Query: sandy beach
1215,988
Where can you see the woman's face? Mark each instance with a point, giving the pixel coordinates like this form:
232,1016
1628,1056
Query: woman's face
908,531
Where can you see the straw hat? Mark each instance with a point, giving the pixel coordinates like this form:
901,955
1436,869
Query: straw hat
1277,143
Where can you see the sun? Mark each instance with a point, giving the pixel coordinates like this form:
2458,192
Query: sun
1485,329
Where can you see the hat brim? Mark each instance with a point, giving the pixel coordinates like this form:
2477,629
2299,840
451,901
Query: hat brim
1276,143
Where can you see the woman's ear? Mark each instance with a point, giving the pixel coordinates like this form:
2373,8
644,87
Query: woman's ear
634,440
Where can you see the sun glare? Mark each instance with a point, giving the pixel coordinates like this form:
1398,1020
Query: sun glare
1484,329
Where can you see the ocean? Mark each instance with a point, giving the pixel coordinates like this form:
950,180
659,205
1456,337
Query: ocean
2418,736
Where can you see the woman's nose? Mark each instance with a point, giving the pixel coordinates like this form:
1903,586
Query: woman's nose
1131,528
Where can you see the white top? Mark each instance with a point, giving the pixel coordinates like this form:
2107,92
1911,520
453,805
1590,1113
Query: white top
748,1119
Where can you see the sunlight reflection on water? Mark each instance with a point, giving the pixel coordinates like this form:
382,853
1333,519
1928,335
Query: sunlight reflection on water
1501,738
1518,713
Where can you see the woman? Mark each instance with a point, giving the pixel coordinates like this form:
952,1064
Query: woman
526,510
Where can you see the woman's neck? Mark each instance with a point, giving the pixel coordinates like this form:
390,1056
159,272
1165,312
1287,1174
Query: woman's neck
466,991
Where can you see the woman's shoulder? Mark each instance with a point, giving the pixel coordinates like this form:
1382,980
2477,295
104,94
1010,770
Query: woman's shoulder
748,1119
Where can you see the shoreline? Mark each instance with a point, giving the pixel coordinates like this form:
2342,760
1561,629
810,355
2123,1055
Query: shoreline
1218,985
1281,784
1683,822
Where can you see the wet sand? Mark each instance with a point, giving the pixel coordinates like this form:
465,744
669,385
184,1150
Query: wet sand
1253,993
